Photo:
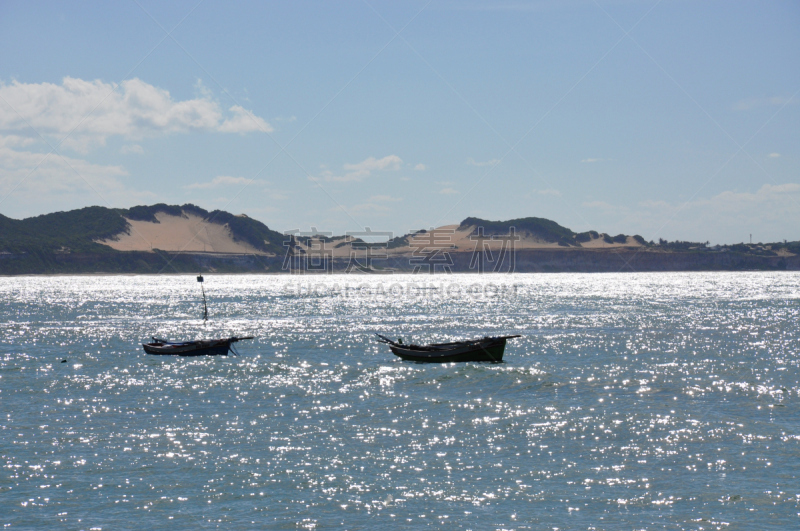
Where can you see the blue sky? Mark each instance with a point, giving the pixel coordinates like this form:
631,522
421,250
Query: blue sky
672,119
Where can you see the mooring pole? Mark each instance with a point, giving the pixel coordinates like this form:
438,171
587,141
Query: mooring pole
205,307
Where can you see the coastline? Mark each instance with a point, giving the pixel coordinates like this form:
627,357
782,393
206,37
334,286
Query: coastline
558,260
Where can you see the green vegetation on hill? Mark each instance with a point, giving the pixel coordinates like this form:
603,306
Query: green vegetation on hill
545,230
148,213
243,228
751,249
541,228
397,241
679,245
75,230
619,238
584,237
792,247
250,231
64,242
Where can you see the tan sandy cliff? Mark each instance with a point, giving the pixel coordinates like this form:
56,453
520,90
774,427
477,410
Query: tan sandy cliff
187,233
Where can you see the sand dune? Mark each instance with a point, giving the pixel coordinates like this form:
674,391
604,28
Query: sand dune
179,233
451,236
192,233
454,239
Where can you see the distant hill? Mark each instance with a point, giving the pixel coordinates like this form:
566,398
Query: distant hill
78,240
76,229
242,229
546,231
186,238
81,230
541,228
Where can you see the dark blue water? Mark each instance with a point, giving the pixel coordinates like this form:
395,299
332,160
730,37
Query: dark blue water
633,401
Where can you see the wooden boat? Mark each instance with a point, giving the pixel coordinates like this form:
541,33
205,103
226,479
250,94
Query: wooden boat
486,349
203,347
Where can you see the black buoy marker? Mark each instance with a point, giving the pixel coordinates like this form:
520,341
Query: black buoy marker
205,307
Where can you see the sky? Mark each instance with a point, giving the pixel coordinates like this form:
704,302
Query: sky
670,119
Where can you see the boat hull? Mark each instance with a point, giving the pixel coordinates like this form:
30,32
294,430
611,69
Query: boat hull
490,350
218,347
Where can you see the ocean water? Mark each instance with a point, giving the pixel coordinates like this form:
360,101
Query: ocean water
632,401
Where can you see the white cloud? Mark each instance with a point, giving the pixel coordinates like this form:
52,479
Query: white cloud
363,169
549,191
278,196
223,180
599,204
770,213
15,141
243,121
92,111
375,206
384,199
589,161
369,208
752,103
492,162
40,172
36,181
768,196
420,167
131,148
391,162
651,204
774,155
448,191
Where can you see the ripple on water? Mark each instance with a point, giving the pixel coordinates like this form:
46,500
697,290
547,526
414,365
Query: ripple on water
659,401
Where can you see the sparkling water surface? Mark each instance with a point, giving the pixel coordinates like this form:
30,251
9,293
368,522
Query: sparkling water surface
632,401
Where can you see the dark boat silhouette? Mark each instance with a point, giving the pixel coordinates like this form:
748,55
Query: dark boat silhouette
486,349
204,347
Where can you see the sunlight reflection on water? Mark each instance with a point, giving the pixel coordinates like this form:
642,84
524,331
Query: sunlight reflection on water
632,400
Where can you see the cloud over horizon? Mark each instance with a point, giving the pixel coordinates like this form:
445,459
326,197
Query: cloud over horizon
753,103
52,179
491,162
762,212
92,111
362,170
223,180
